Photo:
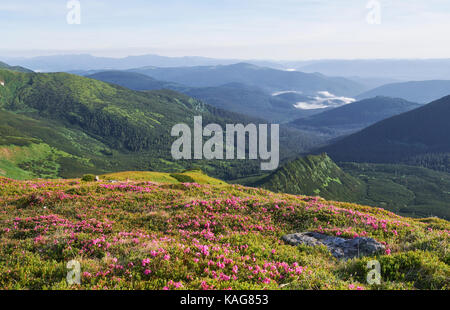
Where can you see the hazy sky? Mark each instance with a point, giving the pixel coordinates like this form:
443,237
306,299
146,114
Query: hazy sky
263,29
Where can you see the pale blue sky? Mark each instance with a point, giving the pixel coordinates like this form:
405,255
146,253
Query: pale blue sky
263,29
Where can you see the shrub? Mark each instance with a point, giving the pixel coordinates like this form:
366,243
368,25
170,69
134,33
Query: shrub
182,178
423,269
88,178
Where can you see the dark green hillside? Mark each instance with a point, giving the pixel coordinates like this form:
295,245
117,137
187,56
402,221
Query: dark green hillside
314,175
405,190
355,116
435,161
400,138
14,68
121,118
32,148
132,80
106,128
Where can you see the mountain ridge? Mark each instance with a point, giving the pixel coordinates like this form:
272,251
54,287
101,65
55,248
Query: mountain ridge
355,116
235,97
417,132
416,91
313,175
263,77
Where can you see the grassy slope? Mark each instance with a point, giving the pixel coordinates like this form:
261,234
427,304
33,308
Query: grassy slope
314,175
406,190
123,119
145,235
34,148
193,176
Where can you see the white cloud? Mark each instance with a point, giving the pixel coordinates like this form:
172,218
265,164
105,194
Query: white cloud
309,106
324,99
286,92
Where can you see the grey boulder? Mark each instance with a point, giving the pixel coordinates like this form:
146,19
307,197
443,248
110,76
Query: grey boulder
339,247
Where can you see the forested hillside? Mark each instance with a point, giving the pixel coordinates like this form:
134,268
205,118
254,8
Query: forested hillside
400,139
14,68
104,128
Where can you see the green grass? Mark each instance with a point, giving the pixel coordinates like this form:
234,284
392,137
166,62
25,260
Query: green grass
137,234
34,160
193,176
11,170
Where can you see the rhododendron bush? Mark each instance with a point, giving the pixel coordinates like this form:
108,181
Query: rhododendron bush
144,235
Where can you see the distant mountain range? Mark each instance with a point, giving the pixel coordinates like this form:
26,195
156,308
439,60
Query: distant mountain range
372,82
369,72
354,116
416,91
268,79
236,97
416,133
398,69
65,63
